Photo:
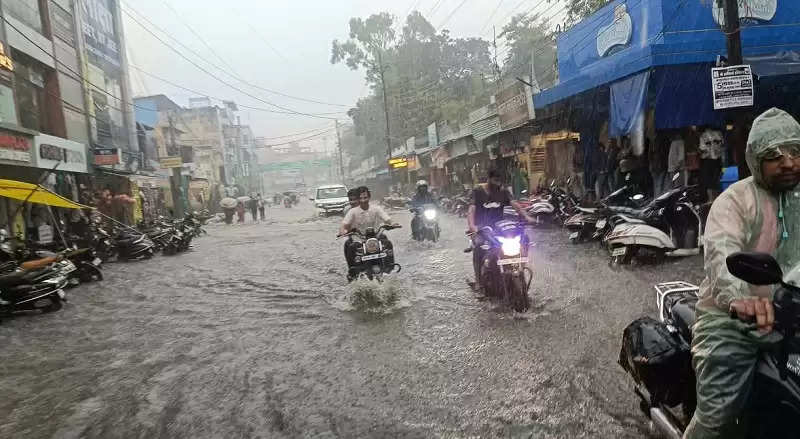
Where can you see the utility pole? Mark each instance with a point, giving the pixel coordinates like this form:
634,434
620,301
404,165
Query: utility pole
339,146
176,185
733,37
386,114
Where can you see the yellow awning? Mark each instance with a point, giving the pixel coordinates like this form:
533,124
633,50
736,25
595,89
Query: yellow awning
22,191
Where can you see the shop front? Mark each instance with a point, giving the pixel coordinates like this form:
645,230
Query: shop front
644,70
16,163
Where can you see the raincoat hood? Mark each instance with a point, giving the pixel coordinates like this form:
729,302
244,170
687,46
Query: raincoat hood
771,130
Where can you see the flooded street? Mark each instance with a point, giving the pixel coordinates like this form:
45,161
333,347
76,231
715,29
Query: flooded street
251,335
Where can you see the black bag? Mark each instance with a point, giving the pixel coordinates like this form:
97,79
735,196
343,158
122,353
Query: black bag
658,360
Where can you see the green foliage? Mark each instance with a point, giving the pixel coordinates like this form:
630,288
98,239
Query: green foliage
577,10
528,36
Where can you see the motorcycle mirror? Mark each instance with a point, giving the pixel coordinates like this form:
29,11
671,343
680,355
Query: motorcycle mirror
524,192
755,268
637,197
676,177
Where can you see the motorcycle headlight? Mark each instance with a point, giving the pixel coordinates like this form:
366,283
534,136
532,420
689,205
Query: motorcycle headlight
511,246
372,246
430,214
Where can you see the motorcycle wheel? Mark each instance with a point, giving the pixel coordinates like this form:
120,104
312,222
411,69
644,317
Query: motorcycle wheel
55,305
517,294
90,273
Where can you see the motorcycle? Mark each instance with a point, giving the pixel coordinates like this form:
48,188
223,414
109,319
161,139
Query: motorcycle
133,245
31,290
656,354
504,272
669,226
427,223
371,260
589,223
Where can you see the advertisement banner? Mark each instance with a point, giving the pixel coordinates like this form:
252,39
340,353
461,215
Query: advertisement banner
170,162
732,87
50,150
98,30
512,106
15,147
107,156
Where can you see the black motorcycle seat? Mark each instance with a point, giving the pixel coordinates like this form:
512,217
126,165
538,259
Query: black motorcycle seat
18,278
684,314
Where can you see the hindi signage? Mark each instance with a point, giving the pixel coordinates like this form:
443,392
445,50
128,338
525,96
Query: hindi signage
107,156
99,31
51,150
15,147
732,87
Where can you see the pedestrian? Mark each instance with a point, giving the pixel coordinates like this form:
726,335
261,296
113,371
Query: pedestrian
253,208
676,160
658,164
240,211
261,207
710,162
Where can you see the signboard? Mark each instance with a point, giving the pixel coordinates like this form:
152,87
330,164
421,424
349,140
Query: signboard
50,150
98,30
400,162
732,87
617,35
512,106
15,147
107,156
433,137
170,162
749,11
45,234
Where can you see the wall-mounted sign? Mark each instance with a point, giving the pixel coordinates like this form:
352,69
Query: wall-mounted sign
616,35
107,156
732,87
5,60
512,106
15,147
99,31
170,162
749,10
50,150
400,162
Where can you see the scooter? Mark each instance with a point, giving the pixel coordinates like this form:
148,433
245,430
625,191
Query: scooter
584,224
656,354
20,291
669,226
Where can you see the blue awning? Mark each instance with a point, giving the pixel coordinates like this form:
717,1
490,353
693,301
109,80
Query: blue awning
628,103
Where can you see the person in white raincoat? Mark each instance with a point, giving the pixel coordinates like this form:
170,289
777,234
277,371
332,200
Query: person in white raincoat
760,213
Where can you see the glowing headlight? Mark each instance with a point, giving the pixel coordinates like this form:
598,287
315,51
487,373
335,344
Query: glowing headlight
372,246
430,214
511,246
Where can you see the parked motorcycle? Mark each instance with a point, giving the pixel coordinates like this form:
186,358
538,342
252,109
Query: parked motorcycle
133,245
426,219
670,225
656,354
589,223
31,290
372,260
504,266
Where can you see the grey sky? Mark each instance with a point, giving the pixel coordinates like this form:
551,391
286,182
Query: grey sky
301,31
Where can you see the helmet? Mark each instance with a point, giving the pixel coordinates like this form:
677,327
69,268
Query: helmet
421,183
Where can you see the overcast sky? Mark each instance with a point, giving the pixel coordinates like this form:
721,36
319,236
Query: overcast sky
297,59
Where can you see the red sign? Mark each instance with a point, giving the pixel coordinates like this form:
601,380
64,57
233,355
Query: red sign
14,147
107,156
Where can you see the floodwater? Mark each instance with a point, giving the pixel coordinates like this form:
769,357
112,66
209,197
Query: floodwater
254,334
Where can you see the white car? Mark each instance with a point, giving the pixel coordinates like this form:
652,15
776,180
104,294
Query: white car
331,198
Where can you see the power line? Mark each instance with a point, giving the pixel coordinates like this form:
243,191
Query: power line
261,37
500,3
228,84
452,13
295,134
231,72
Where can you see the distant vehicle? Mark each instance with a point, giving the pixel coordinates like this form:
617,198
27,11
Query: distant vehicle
330,198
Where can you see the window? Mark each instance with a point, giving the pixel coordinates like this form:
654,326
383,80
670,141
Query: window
29,84
26,11
335,192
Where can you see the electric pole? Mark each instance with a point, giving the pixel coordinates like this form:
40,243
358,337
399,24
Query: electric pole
386,114
176,185
733,37
339,146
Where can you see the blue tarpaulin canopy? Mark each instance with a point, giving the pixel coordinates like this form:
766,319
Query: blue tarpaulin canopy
679,42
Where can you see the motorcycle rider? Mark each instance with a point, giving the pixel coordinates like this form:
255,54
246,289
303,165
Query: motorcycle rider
486,208
361,218
420,199
760,213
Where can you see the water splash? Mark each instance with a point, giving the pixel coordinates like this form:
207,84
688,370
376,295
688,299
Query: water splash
370,296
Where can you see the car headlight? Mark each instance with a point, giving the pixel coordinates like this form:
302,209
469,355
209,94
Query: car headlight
511,246
430,214
372,246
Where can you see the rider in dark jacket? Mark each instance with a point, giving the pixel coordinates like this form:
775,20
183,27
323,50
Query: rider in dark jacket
420,199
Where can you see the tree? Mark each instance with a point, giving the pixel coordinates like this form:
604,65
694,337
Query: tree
577,10
528,36
369,41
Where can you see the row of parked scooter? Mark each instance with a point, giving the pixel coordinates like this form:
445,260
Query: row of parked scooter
33,276
626,222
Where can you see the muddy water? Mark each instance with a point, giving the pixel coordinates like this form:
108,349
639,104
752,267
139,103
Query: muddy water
253,334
